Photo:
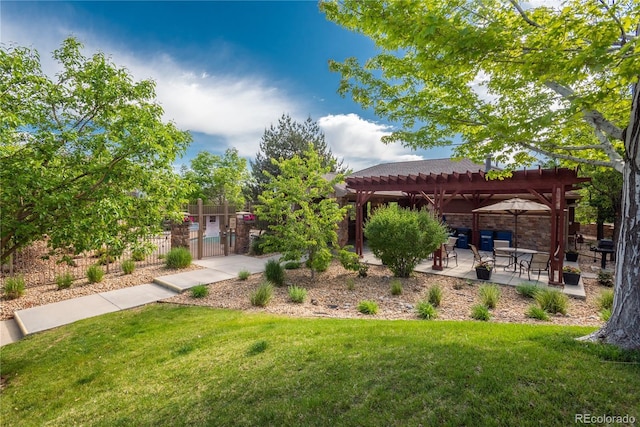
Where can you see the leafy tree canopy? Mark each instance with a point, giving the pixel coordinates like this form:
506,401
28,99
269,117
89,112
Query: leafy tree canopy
86,159
218,178
508,80
287,139
301,209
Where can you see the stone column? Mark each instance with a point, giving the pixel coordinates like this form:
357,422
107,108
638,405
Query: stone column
180,234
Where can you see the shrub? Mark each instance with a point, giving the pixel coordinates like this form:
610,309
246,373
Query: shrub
401,238
256,246
261,296
527,289
297,294
292,265
138,255
489,295
396,287
199,291
605,314
570,269
128,266
95,274
426,310
363,270
536,312
349,260
605,278
351,284
64,281
274,272
435,295
178,258
552,301
243,274
605,300
368,307
320,260
480,312
14,287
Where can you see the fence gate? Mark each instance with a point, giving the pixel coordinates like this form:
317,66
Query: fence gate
212,231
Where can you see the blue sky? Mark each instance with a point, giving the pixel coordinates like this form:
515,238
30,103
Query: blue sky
225,71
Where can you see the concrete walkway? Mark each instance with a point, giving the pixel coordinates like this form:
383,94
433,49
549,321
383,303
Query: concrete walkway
41,318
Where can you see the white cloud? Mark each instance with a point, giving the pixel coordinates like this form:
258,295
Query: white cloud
236,108
358,141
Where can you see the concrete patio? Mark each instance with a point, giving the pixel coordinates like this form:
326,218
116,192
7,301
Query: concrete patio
500,275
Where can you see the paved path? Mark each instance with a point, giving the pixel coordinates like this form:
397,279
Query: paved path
41,318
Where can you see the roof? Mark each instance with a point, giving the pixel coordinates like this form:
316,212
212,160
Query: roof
430,166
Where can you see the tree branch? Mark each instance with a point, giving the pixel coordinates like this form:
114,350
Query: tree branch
568,157
524,15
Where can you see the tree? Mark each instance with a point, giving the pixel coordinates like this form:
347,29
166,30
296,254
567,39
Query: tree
559,82
288,139
85,158
401,238
218,178
302,213
601,198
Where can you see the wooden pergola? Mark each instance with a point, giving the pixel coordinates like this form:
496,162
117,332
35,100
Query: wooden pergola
548,186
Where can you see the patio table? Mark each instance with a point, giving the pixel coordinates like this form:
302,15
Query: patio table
514,253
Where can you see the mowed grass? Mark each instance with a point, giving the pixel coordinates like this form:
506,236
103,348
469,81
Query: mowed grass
165,365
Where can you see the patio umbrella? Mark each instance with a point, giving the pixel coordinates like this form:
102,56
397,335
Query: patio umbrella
515,207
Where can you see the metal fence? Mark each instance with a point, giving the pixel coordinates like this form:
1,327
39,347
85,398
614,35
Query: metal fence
38,267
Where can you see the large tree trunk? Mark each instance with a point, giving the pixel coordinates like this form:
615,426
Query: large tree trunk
623,327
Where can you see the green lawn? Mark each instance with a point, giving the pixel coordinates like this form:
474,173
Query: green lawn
168,365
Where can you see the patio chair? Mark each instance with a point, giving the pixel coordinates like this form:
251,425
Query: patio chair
538,262
450,250
497,253
477,258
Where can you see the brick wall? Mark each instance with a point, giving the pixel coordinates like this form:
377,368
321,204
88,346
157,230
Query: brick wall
534,231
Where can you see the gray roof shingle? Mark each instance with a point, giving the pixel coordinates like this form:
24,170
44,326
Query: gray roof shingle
436,166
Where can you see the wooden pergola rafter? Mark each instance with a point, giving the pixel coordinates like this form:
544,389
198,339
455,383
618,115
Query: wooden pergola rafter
548,186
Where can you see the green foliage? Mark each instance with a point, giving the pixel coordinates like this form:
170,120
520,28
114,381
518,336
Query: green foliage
218,178
243,274
128,266
200,291
605,278
435,295
363,270
351,283
396,287
85,150
348,259
178,258
489,295
536,312
289,139
605,314
64,281
292,265
274,272
14,287
605,300
480,312
138,255
261,296
552,301
141,250
301,211
257,246
401,238
95,274
527,289
368,307
297,294
426,310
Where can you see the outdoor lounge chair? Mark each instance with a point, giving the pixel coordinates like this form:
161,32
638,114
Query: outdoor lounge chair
477,258
538,262
497,253
450,250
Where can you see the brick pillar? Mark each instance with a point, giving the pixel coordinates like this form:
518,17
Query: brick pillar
242,236
180,234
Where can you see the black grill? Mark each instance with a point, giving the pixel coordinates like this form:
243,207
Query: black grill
605,244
